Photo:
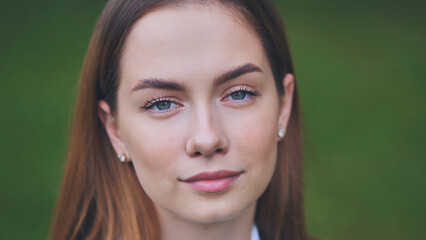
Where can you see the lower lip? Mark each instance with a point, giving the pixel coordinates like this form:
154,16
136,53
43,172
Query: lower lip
212,186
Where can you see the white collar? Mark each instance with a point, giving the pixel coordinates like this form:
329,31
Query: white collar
254,233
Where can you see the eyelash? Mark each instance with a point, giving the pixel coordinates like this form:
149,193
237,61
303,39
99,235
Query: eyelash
151,103
249,91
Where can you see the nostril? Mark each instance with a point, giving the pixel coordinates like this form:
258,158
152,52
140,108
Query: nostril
219,150
197,154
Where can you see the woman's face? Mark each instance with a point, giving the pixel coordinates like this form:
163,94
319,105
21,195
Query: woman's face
198,112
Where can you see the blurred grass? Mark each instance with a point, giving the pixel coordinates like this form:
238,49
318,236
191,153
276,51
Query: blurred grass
360,68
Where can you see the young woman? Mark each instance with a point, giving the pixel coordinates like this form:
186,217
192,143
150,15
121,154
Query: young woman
186,126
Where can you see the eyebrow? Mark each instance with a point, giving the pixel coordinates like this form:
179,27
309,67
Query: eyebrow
236,72
159,83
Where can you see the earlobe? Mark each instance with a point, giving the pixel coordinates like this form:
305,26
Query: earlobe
111,127
286,101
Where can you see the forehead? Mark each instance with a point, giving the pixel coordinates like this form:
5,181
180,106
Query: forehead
189,41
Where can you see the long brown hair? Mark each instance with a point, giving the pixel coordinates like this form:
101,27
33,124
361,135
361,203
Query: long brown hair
101,198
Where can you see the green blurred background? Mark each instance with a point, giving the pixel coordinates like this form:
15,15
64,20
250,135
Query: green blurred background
361,69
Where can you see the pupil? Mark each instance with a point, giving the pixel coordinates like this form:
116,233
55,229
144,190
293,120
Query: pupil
238,95
163,105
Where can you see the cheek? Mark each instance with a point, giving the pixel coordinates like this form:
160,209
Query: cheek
256,137
255,143
150,144
153,157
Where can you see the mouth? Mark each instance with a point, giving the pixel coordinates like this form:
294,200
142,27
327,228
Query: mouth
211,182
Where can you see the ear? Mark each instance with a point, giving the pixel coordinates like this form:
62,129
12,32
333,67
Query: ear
111,127
286,101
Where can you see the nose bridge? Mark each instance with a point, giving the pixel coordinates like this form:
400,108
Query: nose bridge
206,137
203,117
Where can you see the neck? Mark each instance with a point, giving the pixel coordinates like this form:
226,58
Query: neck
176,228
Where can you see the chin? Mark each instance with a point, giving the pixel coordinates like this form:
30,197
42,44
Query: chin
209,218
212,214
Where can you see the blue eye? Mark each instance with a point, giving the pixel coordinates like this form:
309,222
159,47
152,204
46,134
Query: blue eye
161,104
242,94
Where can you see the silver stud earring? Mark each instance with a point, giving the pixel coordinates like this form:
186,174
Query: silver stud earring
281,133
122,157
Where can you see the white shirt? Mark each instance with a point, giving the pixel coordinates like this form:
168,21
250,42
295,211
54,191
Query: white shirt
254,233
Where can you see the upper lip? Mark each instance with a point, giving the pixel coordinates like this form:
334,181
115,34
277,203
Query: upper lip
211,175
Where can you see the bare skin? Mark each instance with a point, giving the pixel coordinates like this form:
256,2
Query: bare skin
198,124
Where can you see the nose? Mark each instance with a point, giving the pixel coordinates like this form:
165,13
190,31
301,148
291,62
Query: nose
206,137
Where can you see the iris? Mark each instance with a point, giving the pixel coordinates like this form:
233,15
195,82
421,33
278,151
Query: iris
163,105
240,95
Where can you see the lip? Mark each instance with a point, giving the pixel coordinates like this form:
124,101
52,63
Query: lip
211,182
